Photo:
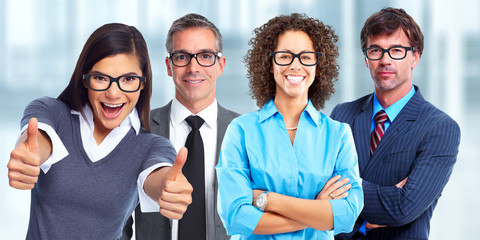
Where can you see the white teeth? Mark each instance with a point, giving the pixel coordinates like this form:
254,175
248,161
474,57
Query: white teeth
197,81
295,78
113,105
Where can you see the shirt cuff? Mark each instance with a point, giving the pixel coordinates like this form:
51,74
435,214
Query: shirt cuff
147,204
363,228
58,149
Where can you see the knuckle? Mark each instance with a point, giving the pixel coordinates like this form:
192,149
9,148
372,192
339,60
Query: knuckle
37,171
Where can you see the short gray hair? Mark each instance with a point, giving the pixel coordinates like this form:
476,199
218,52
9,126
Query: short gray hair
193,20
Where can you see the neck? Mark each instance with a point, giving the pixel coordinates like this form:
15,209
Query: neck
99,133
196,106
291,109
388,97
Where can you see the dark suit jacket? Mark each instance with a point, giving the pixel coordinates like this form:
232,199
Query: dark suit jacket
154,225
421,144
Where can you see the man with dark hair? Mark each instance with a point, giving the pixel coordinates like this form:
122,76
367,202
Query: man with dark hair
406,146
194,61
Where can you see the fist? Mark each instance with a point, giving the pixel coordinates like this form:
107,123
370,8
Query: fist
24,164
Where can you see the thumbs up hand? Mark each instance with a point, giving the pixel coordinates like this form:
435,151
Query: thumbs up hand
24,163
177,191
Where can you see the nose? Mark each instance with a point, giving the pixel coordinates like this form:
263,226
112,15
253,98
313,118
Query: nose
296,63
386,59
113,91
193,66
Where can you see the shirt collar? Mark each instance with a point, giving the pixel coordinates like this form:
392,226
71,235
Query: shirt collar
269,109
180,112
132,120
394,109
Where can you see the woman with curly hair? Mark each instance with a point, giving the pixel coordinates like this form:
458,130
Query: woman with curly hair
280,166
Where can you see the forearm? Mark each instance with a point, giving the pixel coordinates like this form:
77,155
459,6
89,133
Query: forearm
316,214
272,223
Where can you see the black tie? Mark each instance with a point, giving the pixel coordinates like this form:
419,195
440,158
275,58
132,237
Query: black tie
193,225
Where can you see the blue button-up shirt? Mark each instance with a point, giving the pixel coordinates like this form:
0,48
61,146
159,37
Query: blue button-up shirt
257,154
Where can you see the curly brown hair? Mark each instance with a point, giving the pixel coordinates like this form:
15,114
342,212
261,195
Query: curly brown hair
259,62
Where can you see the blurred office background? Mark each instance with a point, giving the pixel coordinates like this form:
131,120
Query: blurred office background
40,41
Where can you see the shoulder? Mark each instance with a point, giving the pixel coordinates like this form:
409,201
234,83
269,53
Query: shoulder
48,102
436,118
334,126
156,112
160,114
225,113
356,104
245,121
347,110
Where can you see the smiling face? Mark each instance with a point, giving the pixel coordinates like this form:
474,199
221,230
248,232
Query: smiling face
293,81
392,76
112,106
195,84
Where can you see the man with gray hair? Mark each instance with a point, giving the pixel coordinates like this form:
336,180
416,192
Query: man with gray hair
194,62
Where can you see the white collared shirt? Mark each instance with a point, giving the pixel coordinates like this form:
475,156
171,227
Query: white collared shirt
179,130
96,152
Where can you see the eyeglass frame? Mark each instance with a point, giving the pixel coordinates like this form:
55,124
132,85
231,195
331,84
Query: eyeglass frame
413,49
319,55
194,55
86,77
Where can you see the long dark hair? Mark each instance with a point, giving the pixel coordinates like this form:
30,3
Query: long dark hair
108,40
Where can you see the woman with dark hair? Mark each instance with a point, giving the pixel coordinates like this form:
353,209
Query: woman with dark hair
279,167
87,155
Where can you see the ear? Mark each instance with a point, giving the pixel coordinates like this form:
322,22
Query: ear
169,67
416,59
221,66
366,60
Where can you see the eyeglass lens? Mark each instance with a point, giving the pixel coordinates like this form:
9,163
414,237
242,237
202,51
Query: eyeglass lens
394,52
103,82
286,58
183,59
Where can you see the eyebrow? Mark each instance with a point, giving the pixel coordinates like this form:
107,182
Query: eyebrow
125,74
392,46
286,50
201,50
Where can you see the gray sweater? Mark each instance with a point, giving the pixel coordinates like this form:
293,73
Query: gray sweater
81,199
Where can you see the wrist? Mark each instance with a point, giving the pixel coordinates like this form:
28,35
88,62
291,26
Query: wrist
262,201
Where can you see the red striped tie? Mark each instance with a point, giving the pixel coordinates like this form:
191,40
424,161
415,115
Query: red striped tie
377,134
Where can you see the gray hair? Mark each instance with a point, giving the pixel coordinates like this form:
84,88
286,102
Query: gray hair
193,20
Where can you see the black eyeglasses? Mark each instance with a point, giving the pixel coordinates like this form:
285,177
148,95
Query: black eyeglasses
102,82
396,53
204,59
285,58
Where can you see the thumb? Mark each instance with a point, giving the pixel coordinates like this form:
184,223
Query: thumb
180,160
32,131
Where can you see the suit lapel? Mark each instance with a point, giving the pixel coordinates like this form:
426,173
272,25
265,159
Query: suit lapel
160,121
399,127
361,133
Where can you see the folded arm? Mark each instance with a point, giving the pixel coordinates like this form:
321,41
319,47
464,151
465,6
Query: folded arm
431,169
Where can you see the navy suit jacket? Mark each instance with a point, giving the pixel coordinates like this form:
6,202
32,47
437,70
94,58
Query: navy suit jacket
421,144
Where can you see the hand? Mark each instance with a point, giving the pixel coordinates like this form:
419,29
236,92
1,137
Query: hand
335,189
372,226
177,191
401,183
24,164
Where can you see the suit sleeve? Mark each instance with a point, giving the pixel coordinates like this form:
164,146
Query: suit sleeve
431,169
